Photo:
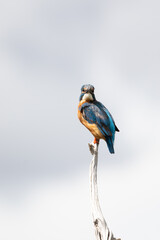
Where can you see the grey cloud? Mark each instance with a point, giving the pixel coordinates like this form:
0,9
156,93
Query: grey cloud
48,56
48,50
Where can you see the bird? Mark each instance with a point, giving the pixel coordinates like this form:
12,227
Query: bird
96,117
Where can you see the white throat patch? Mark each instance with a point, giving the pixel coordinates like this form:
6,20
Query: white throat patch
87,97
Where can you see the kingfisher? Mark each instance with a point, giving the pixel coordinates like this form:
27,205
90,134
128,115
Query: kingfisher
96,117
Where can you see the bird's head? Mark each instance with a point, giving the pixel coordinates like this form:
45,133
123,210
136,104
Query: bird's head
87,93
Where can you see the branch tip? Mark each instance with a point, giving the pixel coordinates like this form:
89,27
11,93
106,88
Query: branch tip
93,147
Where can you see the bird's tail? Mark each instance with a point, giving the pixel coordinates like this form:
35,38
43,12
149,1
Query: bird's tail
110,144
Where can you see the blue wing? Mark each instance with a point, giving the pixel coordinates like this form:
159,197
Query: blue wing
93,114
101,106
96,113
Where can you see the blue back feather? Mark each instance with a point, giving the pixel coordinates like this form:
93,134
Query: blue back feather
96,113
111,121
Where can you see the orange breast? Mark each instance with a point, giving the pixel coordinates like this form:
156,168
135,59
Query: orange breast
91,127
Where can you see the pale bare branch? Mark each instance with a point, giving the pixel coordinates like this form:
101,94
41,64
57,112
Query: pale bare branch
102,231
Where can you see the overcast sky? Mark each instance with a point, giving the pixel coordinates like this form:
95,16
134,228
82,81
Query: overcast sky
48,50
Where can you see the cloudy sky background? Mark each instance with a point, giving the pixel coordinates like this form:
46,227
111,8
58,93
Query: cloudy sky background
48,50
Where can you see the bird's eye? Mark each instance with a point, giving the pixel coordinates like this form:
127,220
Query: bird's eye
83,89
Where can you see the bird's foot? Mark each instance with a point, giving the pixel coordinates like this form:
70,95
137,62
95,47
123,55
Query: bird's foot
96,141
